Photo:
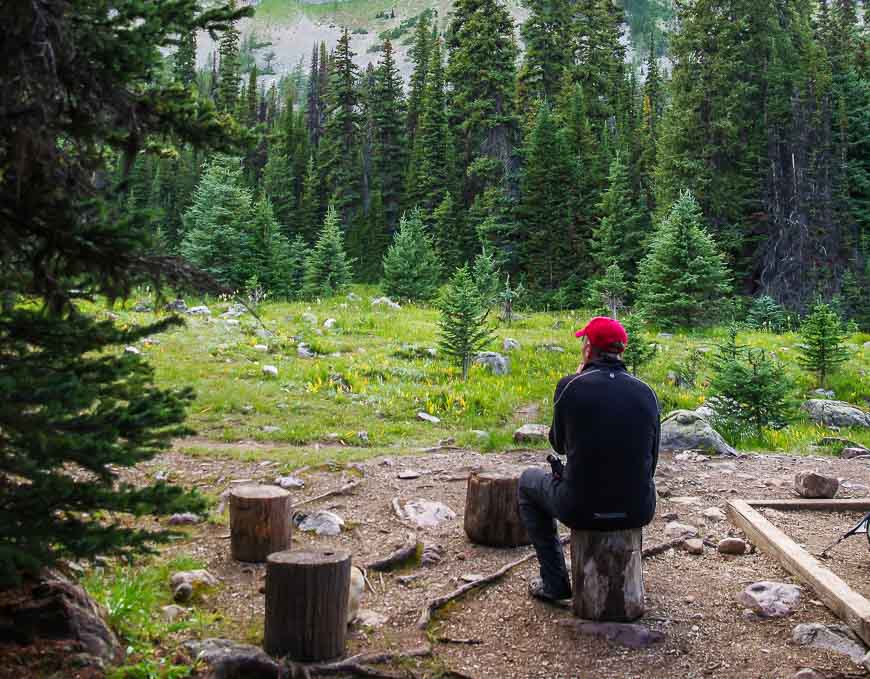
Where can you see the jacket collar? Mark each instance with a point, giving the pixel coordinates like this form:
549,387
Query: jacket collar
605,364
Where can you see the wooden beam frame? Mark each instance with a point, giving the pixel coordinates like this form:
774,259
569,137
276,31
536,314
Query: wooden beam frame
846,603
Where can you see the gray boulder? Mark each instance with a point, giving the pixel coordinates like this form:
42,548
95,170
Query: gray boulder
532,433
426,417
309,318
811,484
428,513
177,305
322,523
510,344
304,351
686,430
184,519
837,638
142,307
385,301
231,660
836,413
496,363
201,310
852,452
353,297
770,599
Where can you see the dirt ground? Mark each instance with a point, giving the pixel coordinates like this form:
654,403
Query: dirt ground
690,598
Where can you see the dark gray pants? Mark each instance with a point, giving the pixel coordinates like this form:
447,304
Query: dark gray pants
538,510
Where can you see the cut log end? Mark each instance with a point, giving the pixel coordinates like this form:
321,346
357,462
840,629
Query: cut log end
492,515
259,522
607,574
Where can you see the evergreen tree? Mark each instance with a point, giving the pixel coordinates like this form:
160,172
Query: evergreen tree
229,71
822,350
388,117
640,350
419,54
683,278
487,277
184,68
340,146
619,237
310,211
272,260
447,232
314,102
76,408
463,326
611,290
545,207
651,112
411,267
327,268
548,37
251,109
765,314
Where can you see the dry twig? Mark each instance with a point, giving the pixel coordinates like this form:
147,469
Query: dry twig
344,490
356,665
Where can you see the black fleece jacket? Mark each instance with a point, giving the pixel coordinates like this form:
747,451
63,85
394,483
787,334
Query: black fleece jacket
607,422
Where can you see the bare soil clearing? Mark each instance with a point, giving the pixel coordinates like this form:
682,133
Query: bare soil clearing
690,598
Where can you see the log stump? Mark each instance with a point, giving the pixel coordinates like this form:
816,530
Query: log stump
307,596
259,522
492,515
607,574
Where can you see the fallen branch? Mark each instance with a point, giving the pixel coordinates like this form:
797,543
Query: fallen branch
404,553
344,490
655,550
356,665
441,601
467,642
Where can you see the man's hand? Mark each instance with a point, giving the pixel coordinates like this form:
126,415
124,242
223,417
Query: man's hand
556,466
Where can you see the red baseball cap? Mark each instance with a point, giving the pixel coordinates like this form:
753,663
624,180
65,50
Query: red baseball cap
603,332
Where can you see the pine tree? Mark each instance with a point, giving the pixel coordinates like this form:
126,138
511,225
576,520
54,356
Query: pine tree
229,71
327,269
447,232
765,314
619,237
548,37
651,112
271,260
310,211
822,336
388,117
314,101
76,409
340,146
640,350
683,278
611,290
419,54
251,108
545,207
463,326
487,277
184,68
411,267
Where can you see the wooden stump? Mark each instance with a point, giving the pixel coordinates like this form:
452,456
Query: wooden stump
607,574
492,515
306,604
259,522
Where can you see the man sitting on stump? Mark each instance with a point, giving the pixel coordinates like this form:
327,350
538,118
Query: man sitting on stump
607,423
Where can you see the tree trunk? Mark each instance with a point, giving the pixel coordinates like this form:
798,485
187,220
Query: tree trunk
306,604
259,522
607,574
492,515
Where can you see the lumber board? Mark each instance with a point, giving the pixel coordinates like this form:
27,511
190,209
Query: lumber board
846,603
861,504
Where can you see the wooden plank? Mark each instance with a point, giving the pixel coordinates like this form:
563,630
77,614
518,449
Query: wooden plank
846,603
847,505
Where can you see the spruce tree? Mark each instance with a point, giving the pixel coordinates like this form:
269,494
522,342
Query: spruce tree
640,350
463,326
411,267
822,340
76,408
611,290
619,237
388,118
310,211
229,71
327,268
314,99
548,35
684,277
487,277
184,67
765,314
447,233
420,60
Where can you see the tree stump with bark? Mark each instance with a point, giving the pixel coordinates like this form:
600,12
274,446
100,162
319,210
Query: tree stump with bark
607,574
307,596
259,522
492,514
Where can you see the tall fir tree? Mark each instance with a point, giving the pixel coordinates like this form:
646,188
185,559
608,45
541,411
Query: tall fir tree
548,35
229,70
620,235
184,66
314,100
823,339
411,267
419,54
463,326
310,212
327,268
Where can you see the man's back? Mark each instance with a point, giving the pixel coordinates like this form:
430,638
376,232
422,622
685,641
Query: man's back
607,422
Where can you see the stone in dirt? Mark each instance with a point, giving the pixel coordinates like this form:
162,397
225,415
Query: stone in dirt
675,530
713,514
807,673
58,609
368,618
686,430
322,523
837,638
426,417
470,577
694,546
329,323
510,344
184,519
432,555
177,305
231,660
362,436
770,599
631,635
270,370
304,351
194,581
734,546
172,612
290,482
496,363
812,484
836,413
199,311
852,453
408,474
428,513
532,433
385,301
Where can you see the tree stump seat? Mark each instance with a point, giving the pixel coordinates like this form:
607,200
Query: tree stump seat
259,522
492,515
607,574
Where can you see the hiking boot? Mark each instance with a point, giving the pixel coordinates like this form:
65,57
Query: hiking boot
539,591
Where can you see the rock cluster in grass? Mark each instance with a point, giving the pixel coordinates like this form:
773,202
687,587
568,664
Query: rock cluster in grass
836,413
687,430
532,433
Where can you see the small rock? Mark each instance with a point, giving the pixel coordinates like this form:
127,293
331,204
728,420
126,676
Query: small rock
408,474
269,429
232,660
470,577
631,635
353,297
553,348
510,344
824,394
494,362
693,546
427,513
675,530
199,311
270,370
172,612
807,673
852,453
432,555
426,417
322,523
362,436
132,350
303,351
369,618
329,323
183,593
385,301
713,514
190,582
770,599
532,433
671,516
177,306
289,482
184,519
309,318
142,307
231,323
837,638
811,484
261,347
734,546
666,335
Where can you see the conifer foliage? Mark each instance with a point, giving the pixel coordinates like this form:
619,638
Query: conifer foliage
411,267
463,325
822,338
327,268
